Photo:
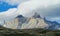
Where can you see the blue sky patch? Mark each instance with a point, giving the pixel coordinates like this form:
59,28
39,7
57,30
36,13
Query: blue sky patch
5,6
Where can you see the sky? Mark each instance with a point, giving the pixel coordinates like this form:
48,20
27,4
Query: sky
5,6
46,8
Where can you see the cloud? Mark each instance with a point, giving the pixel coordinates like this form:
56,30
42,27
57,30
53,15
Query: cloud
44,7
55,19
8,15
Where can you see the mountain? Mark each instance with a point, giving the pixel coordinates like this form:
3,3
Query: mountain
21,22
34,22
37,22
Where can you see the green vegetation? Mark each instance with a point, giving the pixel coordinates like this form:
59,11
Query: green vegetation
28,32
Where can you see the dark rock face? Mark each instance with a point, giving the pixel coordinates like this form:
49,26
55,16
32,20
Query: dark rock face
36,15
21,18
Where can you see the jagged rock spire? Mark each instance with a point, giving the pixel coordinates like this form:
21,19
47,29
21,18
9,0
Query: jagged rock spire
36,15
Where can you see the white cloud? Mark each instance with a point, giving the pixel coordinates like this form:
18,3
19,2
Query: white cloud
55,19
44,7
8,15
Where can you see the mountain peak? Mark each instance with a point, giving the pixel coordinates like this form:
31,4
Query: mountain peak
20,16
36,15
